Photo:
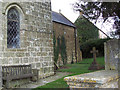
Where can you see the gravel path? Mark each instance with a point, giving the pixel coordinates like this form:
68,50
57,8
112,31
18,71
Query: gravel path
44,81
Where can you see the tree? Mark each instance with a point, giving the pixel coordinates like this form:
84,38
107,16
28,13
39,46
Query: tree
63,50
94,10
85,29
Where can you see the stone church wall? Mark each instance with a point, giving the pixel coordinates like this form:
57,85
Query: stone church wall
36,39
112,52
68,33
0,47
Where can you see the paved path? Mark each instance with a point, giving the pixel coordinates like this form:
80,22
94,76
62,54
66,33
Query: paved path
45,80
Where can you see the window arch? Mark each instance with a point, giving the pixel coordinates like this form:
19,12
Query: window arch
13,28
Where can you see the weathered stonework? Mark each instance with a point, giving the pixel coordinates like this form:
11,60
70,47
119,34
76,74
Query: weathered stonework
99,79
68,33
1,47
108,78
112,49
0,76
79,52
36,38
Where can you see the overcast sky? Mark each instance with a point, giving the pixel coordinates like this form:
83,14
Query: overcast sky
66,8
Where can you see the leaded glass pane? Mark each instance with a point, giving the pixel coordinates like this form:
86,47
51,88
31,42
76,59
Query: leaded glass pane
13,29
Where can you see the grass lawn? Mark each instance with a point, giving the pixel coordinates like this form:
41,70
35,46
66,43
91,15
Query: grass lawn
77,68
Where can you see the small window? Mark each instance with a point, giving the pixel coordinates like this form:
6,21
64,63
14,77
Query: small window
13,29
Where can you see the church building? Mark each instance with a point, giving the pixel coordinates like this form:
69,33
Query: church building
26,35
63,27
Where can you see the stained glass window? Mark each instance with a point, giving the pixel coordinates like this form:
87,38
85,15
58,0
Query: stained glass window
13,29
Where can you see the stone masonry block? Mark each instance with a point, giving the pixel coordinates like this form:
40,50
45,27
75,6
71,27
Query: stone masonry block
35,35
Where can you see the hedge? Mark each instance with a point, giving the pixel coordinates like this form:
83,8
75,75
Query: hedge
87,46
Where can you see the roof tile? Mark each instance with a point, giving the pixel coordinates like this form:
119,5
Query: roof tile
59,18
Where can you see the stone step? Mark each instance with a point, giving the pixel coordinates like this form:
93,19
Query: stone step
98,79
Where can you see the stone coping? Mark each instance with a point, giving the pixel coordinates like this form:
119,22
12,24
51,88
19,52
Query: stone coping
98,77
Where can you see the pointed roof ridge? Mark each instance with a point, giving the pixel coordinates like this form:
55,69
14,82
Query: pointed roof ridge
60,18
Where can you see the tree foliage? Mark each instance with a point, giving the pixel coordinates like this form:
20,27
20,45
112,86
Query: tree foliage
86,47
86,30
63,50
94,10
56,48
60,48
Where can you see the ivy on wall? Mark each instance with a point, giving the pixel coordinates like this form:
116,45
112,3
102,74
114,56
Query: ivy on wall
56,53
60,48
63,50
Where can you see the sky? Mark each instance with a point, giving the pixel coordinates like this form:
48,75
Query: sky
66,8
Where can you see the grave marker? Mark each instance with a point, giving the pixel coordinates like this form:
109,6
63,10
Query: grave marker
94,65
103,79
94,51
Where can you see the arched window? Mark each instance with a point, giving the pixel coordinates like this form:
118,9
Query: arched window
13,29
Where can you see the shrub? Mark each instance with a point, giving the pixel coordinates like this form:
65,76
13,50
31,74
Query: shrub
87,46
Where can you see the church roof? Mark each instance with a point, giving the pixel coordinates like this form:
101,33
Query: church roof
59,18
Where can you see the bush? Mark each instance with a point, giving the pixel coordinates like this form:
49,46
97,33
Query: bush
87,46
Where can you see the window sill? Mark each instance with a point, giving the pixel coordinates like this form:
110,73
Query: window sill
16,49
